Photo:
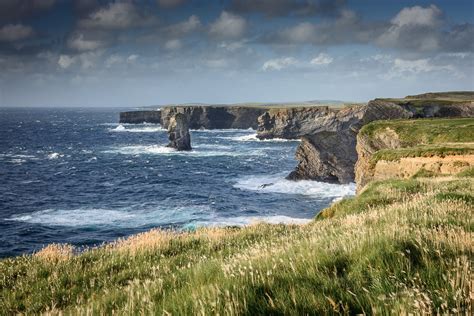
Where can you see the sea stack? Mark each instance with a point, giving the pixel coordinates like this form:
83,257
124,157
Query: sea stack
178,132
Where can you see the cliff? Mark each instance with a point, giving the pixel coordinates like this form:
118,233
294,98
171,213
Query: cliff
138,117
328,152
402,149
199,116
215,117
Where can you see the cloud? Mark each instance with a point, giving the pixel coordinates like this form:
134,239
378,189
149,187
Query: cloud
132,58
321,59
15,32
173,44
228,26
459,38
170,3
66,61
414,29
279,63
404,67
116,16
273,8
348,27
179,29
11,10
86,60
79,43
417,15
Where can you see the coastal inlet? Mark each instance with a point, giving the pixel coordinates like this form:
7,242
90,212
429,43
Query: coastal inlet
77,176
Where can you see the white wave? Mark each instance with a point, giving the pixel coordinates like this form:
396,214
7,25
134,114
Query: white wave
253,138
278,184
127,218
227,130
138,129
55,156
198,150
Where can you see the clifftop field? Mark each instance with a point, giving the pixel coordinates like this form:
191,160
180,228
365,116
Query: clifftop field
400,246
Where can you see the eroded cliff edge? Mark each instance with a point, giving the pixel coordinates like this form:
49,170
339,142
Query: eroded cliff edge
408,148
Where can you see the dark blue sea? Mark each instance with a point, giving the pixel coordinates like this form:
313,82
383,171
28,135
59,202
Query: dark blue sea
76,176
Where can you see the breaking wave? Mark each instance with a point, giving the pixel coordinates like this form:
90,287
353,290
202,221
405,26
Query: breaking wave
143,128
278,184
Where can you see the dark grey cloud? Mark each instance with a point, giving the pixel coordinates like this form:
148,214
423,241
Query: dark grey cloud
272,8
347,28
170,3
459,39
13,10
15,32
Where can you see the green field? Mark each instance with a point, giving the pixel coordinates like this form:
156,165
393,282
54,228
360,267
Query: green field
401,246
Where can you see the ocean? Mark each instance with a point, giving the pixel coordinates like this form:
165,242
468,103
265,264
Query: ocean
77,176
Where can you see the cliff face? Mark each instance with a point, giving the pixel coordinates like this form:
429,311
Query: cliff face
401,149
329,153
213,117
138,117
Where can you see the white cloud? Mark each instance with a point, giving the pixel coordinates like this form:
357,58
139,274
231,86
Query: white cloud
322,59
228,26
85,60
417,15
187,26
279,63
113,60
303,32
117,15
414,28
132,58
78,42
66,61
403,67
15,32
232,46
173,44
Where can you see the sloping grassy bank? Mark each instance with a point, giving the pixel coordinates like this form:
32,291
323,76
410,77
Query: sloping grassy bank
400,246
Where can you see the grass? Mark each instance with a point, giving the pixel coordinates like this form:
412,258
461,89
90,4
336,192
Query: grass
425,131
401,246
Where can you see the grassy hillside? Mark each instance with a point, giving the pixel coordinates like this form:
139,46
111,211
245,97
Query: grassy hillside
400,246
425,131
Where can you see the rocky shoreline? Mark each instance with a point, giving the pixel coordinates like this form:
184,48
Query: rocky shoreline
327,151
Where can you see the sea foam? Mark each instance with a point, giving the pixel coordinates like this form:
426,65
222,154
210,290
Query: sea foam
138,129
278,184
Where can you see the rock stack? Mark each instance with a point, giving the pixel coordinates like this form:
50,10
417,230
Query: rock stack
178,132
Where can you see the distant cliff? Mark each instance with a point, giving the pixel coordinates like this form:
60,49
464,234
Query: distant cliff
215,117
206,117
142,116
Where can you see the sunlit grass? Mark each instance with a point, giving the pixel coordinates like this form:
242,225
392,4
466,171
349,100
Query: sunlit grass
401,246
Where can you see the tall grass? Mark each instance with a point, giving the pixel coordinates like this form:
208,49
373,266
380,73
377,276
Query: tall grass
401,246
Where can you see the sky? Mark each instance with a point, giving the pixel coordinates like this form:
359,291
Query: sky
95,53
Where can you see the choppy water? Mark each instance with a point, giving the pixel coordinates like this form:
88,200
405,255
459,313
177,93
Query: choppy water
76,176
